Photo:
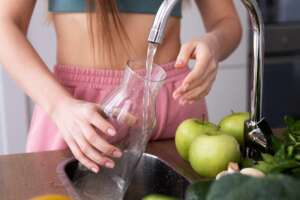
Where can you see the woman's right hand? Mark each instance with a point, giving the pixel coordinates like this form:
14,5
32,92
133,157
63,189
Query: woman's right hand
77,122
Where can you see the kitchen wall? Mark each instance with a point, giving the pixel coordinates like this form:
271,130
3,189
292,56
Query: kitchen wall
2,139
228,93
13,116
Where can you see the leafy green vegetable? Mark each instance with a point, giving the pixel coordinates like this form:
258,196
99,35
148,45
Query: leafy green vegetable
276,143
247,162
237,187
287,151
198,190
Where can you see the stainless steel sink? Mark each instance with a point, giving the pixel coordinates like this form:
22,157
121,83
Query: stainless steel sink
152,175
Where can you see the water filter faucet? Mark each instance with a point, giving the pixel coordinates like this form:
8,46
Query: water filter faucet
257,133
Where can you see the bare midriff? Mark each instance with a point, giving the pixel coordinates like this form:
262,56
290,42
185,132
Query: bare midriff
74,41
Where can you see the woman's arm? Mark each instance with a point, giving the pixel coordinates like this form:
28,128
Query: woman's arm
222,22
19,58
224,33
74,119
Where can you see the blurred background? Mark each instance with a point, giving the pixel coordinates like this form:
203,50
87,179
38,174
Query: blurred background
229,93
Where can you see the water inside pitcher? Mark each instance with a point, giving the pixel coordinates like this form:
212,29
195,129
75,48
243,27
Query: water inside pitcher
125,108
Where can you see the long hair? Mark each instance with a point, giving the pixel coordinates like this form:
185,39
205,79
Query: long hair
106,28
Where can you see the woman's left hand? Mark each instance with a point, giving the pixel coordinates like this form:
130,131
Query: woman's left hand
199,81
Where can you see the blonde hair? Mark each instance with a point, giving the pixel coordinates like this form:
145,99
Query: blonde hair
104,21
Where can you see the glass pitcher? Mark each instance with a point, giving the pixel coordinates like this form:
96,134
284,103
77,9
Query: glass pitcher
134,120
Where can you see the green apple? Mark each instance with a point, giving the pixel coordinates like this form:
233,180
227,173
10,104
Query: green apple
210,155
187,131
158,197
234,125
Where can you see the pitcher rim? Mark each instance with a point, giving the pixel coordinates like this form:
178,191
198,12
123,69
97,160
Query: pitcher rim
143,77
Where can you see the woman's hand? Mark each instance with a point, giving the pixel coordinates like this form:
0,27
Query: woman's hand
199,81
76,120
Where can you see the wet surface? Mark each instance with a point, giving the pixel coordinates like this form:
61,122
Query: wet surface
151,176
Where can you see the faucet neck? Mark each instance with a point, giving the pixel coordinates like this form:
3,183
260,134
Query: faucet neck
160,22
257,132
257,26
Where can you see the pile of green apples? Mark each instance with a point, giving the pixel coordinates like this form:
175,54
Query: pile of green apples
208,147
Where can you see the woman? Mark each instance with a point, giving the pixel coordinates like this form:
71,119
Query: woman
94,41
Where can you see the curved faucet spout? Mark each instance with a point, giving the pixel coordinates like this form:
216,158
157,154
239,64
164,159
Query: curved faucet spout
257,132
258,59
160,22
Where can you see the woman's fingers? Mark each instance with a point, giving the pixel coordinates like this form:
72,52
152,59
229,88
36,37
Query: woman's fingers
194,78
211,71
99,122
204,67
185,53
197,82
77,121
92,153
198,92
193,95
80,156
99,143
202,64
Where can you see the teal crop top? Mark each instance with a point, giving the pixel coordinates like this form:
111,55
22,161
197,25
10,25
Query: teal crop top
129,6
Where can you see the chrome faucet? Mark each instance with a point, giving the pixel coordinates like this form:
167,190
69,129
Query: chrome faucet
257,133
160,22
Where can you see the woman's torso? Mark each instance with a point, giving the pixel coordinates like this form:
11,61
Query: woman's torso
74,47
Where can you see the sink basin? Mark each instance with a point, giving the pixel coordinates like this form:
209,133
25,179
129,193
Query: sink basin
152,175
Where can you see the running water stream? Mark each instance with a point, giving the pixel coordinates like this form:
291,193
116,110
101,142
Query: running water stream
152,47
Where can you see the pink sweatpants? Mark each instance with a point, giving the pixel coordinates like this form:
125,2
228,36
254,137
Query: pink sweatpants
93,85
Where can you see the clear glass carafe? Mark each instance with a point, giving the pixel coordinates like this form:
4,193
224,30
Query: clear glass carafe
134,119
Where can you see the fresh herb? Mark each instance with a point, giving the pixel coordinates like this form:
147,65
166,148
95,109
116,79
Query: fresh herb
287,151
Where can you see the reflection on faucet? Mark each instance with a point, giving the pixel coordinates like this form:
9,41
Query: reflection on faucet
257,132
258,59
159,25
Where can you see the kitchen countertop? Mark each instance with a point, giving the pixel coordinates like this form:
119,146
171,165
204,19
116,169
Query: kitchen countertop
23,176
